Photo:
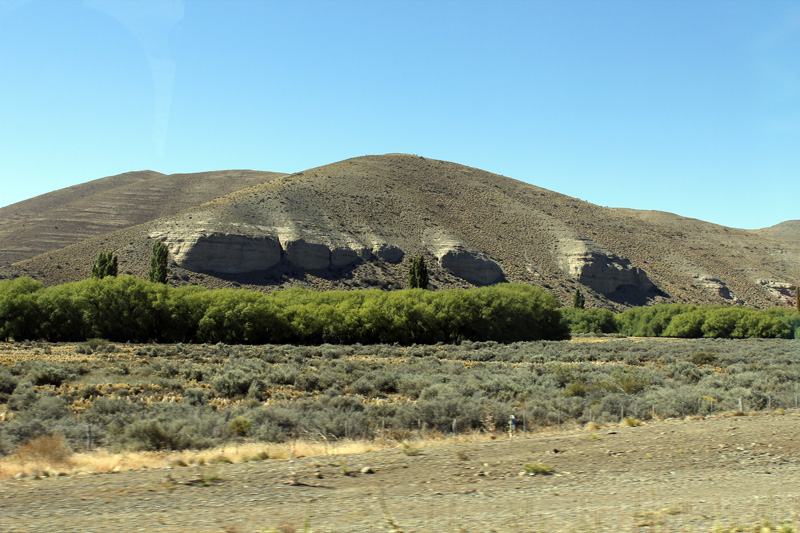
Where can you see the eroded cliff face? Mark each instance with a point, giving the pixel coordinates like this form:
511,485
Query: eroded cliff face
461,260
243,249
471,266
211,251
602,270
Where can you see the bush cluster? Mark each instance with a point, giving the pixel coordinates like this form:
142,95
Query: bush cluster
688,321
128,309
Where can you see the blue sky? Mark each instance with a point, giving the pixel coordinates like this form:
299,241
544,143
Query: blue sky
691,107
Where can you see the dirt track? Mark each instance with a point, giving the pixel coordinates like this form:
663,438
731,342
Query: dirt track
667,476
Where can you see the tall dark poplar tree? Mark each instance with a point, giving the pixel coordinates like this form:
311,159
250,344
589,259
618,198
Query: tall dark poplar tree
418,274
106,265
158,263
578,300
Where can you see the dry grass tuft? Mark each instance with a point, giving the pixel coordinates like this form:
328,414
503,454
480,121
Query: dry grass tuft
48,459
47,449
630,422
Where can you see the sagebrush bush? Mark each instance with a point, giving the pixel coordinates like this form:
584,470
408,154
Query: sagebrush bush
312,395
8,383
232,383
44,373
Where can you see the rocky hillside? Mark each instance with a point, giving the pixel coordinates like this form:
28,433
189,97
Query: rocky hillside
359,222
77,213
788,231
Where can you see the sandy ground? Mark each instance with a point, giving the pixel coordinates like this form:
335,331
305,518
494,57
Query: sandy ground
675,475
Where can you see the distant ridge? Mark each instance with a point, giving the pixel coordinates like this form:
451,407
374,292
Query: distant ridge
788,231
74,214
359,222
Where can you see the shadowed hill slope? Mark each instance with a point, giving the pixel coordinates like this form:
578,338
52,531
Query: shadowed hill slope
67,216
359,222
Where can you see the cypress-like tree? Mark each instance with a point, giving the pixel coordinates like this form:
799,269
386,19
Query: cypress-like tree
578,300
418,274
158,263
106,265
797,298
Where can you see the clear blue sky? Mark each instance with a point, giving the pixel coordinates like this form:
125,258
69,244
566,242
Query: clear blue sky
691,107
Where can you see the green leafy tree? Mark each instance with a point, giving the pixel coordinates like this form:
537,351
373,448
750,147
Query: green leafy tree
578,300
158,263
418,274
106,265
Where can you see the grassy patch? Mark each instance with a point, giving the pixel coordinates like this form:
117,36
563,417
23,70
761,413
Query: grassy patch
538,468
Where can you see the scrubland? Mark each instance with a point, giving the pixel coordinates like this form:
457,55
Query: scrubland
175,397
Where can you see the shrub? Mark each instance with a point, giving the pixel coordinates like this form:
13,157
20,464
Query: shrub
538,468
239,426
43,373
232,383
152,435
7,383
702,358
595,321
48,449
23,397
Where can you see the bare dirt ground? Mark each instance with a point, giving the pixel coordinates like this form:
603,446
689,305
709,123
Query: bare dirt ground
717,474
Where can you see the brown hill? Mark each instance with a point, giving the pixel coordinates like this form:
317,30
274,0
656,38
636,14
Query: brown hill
359,222
788,231
77,213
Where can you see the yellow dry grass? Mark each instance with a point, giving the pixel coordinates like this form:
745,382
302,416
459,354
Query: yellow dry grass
103,460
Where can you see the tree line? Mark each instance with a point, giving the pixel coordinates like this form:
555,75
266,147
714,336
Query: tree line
688,321
126,309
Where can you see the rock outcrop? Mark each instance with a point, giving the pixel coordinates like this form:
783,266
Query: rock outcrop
785,292
473,267
244,249
716,286
210,251
600,269
462,261
306,255
387,252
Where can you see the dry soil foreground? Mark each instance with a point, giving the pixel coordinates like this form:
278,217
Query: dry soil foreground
701,475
